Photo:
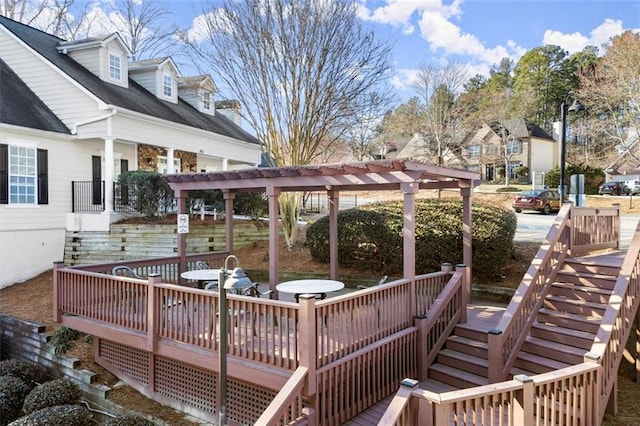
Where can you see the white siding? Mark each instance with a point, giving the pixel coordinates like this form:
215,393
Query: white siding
146,79
64,98
88,58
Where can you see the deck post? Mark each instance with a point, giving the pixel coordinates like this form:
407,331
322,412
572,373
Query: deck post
495,341
56,303
228,219
152,336
422,345
466,290
523,403
307,354
467,252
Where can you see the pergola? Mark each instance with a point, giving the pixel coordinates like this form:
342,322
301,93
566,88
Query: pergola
408,176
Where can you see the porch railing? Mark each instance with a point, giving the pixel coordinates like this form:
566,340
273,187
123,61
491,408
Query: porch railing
88,196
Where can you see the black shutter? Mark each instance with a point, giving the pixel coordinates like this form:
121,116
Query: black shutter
4,174
43,176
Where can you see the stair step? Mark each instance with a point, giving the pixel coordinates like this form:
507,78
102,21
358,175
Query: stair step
591,294
567,336
569,320
575,306
587,279
455,377
561,352
463,361
515,371
436,386
594,266
537,364
468,346
470,331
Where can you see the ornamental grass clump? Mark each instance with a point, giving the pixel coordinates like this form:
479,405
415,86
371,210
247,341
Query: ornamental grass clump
12,394
59,415
370,237
55,392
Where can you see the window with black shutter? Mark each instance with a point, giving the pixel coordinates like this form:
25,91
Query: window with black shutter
4,174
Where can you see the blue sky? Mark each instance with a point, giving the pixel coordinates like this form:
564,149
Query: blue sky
480,33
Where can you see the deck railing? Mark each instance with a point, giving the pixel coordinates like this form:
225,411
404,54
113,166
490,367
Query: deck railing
508,336
568,396
594,228
287,407
617,320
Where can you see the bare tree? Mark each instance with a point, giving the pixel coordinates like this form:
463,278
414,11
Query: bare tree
361,131
439,88
299,69
144,26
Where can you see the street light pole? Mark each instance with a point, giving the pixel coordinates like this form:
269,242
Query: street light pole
575,107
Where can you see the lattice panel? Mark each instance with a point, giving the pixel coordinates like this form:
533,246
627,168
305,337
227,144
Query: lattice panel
197,387
133,362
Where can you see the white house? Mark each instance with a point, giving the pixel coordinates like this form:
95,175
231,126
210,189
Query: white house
70,108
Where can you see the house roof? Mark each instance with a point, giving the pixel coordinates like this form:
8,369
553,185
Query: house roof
628,162
521,128
19,106
134,98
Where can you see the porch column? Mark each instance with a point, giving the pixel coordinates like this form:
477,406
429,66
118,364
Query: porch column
108,175
228,218
170,167
274,248
334,201
409,239
225,164
466,239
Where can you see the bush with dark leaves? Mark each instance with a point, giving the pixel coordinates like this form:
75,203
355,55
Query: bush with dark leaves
29,372
370,238
128,420
55,392
59,415
12,394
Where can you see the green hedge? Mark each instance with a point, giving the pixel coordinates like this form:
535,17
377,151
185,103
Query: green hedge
370,238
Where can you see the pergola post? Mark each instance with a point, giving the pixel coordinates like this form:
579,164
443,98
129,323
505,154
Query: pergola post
409,239
274,250
228,219
466,239
334,201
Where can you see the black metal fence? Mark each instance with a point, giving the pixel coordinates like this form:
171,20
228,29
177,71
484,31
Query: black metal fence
88,196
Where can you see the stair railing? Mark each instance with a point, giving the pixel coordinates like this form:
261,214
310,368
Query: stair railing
506,339
617,321
287,407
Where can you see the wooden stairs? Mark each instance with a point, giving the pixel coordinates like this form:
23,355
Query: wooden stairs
563,332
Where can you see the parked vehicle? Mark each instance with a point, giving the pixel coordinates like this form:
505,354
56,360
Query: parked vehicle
540,200
614,188
636,189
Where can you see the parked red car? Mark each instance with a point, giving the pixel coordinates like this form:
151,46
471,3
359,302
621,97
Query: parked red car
540,200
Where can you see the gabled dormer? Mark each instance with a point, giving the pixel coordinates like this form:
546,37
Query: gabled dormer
105,56
198,91
158,76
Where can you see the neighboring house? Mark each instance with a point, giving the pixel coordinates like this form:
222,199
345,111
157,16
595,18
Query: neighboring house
626,167
527,145
76,114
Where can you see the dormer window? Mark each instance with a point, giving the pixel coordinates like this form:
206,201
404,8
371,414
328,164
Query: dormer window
206,101
167,85
115,67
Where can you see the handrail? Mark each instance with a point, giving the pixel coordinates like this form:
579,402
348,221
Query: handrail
509,334
617,320
287,406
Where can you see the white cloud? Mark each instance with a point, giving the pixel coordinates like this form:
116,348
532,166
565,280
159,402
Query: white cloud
575,42
399,12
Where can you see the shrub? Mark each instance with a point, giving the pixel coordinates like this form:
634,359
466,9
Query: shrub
508,189
370,238
29,372
150,190
59,415
252,204
12,394
63,339
128,420
55,392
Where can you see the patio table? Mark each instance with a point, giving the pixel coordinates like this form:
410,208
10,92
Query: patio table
310,286
203,276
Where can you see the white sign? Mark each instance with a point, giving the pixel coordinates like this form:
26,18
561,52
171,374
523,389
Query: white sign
183,224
